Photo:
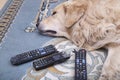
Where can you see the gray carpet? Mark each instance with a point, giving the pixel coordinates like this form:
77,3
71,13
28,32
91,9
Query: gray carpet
17,41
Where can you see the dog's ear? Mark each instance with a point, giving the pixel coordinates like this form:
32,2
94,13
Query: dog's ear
73,13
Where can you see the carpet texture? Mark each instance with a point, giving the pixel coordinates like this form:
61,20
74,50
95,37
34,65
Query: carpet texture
2,3
8,15
17,41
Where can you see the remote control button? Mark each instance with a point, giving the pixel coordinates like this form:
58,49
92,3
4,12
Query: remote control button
83,61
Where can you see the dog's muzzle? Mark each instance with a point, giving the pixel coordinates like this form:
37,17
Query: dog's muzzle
45,31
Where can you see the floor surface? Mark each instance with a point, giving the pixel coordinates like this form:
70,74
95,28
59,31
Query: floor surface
18,41
2,3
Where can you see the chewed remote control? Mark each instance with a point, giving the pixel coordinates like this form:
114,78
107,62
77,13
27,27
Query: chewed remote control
34,54
50,60
80,65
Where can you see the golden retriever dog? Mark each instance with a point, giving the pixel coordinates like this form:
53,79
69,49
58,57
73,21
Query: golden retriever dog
90,24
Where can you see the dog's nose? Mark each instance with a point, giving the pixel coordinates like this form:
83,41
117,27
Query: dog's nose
37,24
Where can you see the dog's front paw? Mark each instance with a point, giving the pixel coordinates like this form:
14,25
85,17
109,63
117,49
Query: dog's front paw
110,73
103,77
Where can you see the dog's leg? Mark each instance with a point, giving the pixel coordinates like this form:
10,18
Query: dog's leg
111,67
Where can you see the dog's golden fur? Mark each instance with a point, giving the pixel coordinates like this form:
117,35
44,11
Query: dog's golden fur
90,24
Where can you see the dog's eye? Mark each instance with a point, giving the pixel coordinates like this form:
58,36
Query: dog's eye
54,13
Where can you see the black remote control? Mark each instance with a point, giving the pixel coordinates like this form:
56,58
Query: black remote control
80,65
31,55
50,60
